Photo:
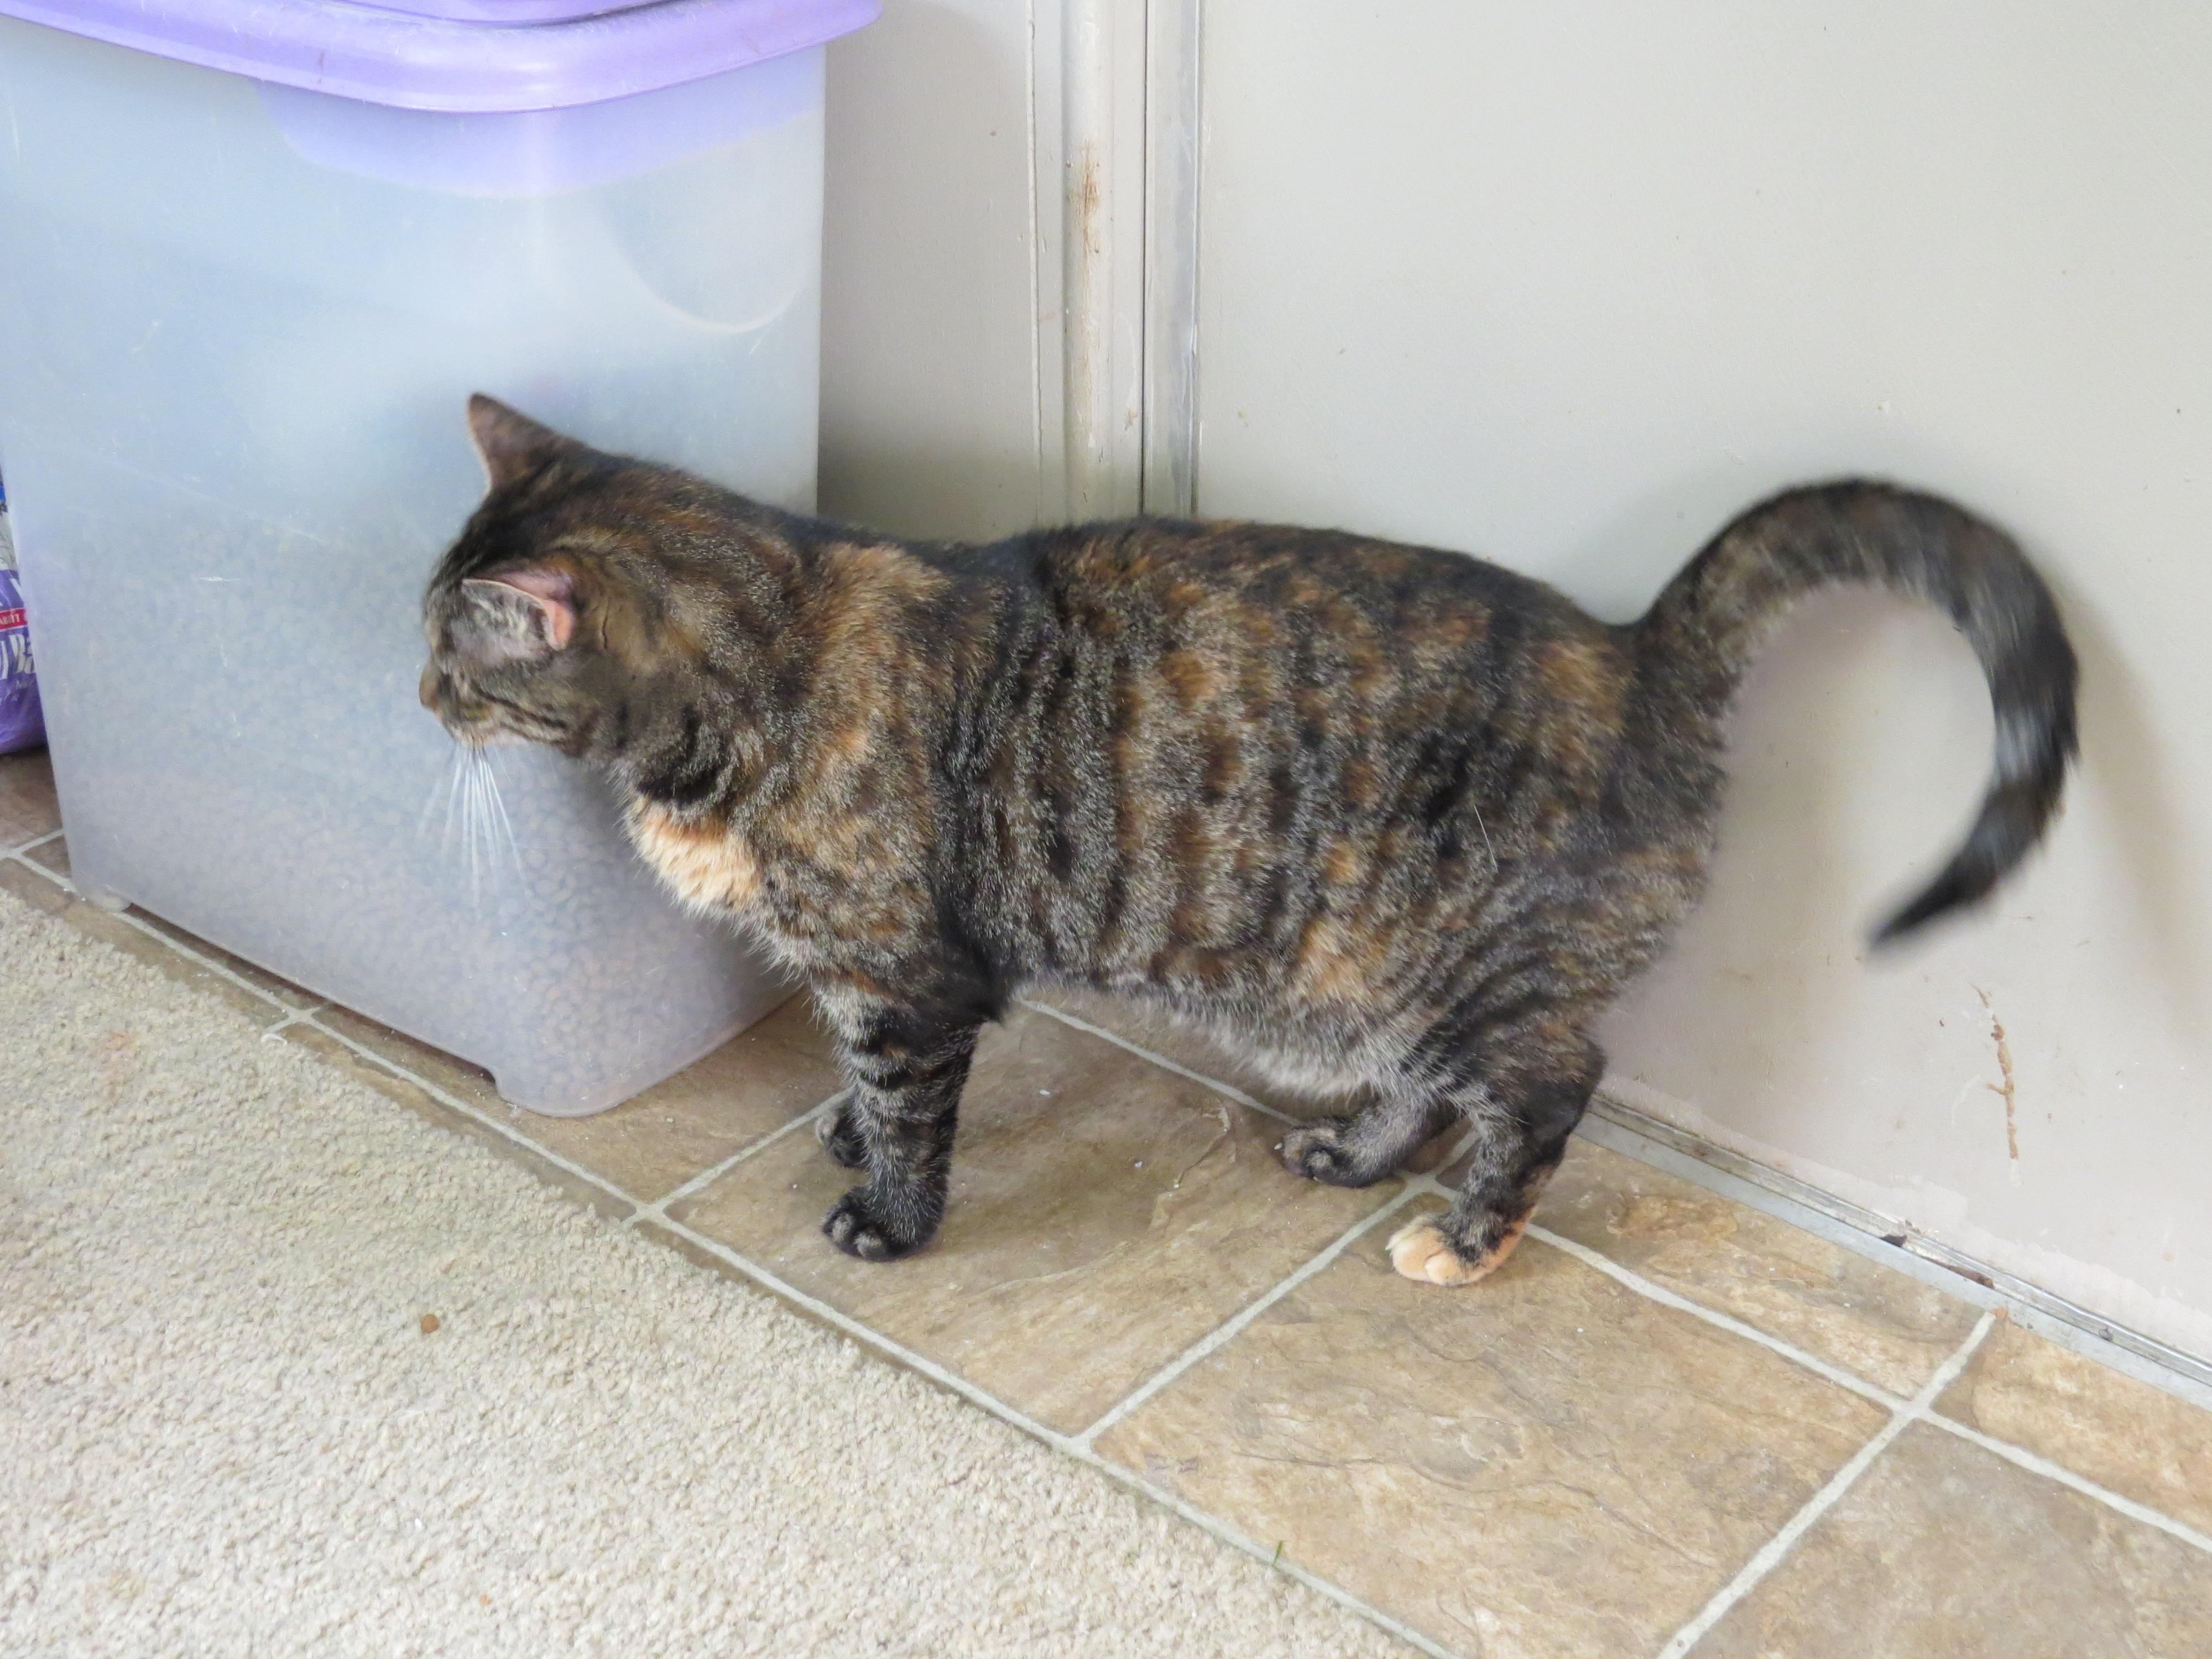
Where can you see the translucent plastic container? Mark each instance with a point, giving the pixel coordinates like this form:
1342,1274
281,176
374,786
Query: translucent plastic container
238,322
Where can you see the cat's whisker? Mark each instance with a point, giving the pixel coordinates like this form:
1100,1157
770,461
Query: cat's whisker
439,804
479,770
460,811
461,792
440,787
456,791
502,826
488,844
469,826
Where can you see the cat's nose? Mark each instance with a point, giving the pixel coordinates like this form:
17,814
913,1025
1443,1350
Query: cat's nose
429,689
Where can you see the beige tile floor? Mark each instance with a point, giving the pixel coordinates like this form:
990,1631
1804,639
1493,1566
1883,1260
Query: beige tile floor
1672,1423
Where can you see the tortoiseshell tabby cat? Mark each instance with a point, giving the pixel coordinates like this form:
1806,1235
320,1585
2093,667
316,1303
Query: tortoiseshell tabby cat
1383,815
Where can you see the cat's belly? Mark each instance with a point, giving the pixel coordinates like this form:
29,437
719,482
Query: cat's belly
706,864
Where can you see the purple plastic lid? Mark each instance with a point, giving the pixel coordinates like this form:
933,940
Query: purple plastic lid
442,55
508,12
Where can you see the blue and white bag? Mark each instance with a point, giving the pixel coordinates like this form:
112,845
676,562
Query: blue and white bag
22,726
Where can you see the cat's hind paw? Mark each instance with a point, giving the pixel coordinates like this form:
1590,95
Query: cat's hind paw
1321,1151
841,1139
1422,1252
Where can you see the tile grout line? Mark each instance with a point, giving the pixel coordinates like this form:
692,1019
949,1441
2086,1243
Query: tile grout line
1215,1527
2021,1457
1771,1554
1621,1128
657,1210
1070,1446
445,1098
1235,1325
1643,1286
1220,1530
1794,1212
1078,1022
290,1016
1874,1392
1656,1292
1416,1185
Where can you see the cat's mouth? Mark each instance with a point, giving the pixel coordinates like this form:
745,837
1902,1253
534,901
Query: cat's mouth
430,690
467,719
480,722
490,731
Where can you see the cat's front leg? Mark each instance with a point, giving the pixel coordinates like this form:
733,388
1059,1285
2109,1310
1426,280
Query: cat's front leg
904,1069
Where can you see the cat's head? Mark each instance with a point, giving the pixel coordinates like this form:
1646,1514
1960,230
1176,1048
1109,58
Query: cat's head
560,609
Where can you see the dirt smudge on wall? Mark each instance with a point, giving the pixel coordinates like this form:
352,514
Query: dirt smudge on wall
2007,1089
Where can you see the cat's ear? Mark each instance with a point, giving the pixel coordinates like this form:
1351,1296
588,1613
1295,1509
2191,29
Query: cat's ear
517,616
512,443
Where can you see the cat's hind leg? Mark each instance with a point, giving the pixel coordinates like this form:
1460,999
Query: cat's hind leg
1362,1147
1523,1087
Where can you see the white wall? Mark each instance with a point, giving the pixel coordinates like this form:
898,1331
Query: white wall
931,422
987,306
1566,284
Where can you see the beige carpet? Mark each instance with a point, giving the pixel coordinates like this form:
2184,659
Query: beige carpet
223,1430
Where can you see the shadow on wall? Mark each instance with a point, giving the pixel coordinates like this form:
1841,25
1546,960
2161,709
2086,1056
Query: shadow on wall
2122,762
1616,572
928,308
974,495
1858,751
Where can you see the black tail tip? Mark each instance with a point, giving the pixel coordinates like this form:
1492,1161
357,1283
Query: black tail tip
1951,891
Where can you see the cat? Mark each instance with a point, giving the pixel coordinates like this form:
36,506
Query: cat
1390,814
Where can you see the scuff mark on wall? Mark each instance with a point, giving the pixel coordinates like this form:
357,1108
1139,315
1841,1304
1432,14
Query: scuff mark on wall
1083,196
1083,342
2007,1088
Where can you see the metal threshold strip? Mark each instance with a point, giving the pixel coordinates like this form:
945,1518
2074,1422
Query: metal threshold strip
1887,1231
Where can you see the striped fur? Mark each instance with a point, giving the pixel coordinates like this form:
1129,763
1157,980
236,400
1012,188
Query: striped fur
1394,816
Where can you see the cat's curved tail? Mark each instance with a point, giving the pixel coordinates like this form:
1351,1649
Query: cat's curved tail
1701,634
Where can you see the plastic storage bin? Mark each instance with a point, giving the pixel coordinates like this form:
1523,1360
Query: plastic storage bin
259,253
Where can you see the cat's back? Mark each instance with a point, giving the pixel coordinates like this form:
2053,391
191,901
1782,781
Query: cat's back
1171,567
1345,630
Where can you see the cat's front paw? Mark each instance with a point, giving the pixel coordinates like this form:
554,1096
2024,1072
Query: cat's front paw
840,1138
855,1229
1320,1151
